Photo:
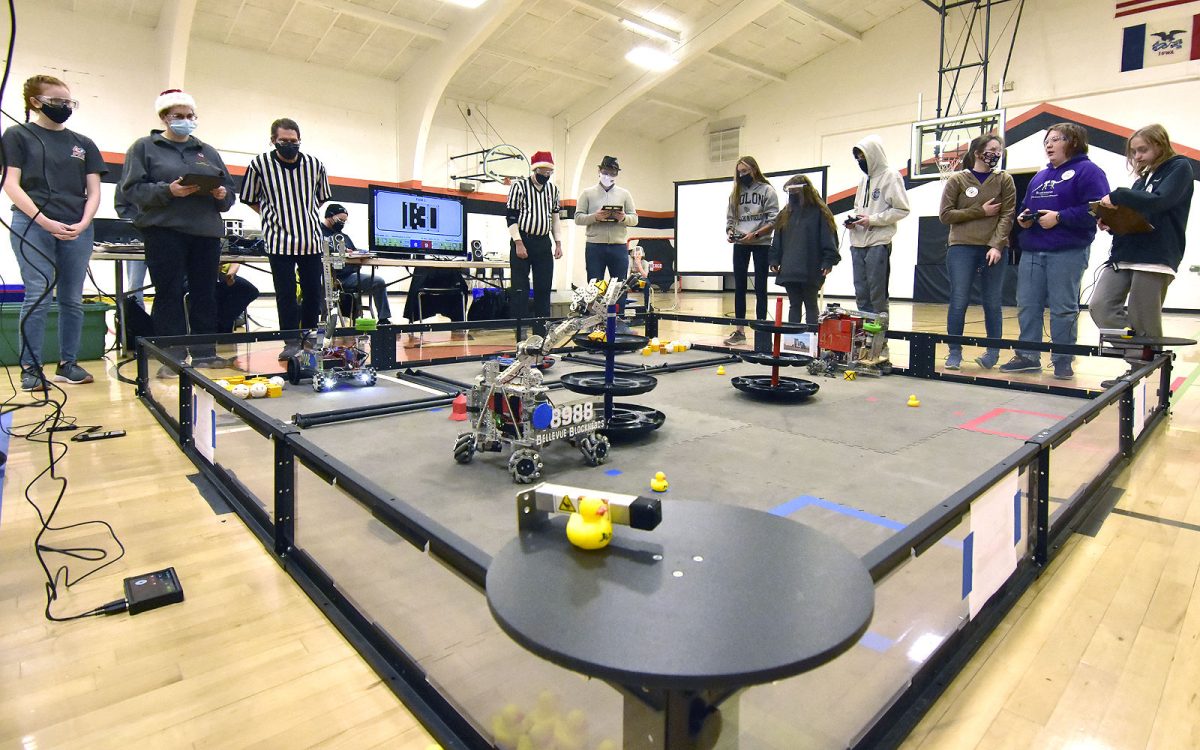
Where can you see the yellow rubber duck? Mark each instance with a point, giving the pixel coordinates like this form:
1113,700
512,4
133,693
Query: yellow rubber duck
591,527
912,400
720,369
659,483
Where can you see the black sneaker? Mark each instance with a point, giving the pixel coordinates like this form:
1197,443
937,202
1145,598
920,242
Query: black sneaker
211,362
1063,370
737,337
32,380
987,361
71,372
1021,364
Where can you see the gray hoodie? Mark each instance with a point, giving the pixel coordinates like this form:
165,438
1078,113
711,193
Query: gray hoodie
758,205
152,164
881,197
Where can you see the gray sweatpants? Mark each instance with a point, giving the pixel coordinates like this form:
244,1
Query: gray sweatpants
1142,311
872,266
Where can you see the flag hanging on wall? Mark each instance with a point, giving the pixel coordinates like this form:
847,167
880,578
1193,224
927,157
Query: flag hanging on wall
1161,42
1133,7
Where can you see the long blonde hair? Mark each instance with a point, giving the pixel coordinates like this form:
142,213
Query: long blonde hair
755,174
808,197
1156,136
34,86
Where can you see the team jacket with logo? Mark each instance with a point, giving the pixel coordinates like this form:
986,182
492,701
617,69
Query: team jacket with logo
1066,189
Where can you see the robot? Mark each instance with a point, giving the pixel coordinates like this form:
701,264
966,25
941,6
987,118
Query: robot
511,406
328,363
851,340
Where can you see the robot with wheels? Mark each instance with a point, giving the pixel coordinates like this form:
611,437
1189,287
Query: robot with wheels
322,360
511,406
851,340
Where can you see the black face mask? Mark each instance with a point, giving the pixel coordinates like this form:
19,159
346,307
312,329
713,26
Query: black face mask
288,151
56,114
338,226
794,198
746,180
990,158
862,164
542,179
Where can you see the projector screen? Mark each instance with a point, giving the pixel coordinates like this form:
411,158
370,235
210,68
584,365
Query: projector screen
700,219
416,223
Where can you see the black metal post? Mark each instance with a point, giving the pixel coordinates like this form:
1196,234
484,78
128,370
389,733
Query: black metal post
1125,422
185,409
285,498
1039,486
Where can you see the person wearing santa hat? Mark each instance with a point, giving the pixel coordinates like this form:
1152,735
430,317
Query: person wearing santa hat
180,221
533,223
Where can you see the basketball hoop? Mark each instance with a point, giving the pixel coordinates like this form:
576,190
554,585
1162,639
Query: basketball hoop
946,167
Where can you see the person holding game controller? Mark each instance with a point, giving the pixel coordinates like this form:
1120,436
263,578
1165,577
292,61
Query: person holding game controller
979,205
1055,243
749,225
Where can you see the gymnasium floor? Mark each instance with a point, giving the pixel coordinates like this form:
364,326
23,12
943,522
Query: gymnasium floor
1154,567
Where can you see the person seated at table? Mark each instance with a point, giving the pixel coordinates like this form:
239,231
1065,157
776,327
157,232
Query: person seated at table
351,277
234,294
448,301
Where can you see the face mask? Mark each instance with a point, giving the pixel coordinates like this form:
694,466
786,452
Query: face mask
607,180
794,198
182,127
542,179
862,164
288,151
990,158
56,114
338,226
746,180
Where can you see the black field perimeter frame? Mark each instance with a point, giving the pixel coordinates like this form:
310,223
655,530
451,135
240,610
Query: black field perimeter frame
314,512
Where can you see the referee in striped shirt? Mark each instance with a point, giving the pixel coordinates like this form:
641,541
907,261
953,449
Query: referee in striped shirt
286,188
532,214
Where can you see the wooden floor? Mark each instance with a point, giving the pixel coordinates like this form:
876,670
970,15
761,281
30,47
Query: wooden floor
1104,650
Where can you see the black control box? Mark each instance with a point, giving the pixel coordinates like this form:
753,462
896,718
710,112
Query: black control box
153,590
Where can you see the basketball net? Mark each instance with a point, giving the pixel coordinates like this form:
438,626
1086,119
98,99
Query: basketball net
947,165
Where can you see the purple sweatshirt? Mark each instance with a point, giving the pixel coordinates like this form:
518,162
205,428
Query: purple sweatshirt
1067,189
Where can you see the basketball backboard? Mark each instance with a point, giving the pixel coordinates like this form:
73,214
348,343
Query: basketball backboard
938,145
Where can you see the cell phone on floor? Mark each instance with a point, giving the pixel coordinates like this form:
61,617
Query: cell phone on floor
84,437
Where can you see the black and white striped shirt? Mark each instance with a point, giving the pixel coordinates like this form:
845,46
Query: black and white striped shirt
288,197
534,208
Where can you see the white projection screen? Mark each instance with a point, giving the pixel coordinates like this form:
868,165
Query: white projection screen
700,244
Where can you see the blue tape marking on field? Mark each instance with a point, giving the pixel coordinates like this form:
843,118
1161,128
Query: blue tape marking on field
876,642
212,415
5,426
614,472
1017,517
791,506
968,549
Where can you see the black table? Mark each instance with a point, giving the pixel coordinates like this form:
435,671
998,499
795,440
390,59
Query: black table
716,598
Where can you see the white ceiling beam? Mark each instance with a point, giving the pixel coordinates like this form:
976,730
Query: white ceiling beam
614,12
174,36
746,65
826,20
381,18
538,63
691,109
279,31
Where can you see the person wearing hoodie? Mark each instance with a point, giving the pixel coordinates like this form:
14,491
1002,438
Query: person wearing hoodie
181,224
1055,243
804,249
879,204
749,222
1133,283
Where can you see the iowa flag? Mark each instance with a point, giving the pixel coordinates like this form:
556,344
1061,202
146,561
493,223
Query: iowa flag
1161,42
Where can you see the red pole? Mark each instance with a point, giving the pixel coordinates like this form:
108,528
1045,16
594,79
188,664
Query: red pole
778,335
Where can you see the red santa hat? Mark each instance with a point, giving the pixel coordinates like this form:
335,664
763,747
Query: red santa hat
173,98
541,160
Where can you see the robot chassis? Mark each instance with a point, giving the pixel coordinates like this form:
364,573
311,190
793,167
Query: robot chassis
851,340
319,357
512,407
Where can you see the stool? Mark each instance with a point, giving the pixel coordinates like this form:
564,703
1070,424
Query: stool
462,294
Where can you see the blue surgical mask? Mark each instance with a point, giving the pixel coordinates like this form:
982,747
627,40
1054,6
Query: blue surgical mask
182,127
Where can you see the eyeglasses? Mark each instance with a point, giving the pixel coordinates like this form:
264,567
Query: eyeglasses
1056,139
286,140
180,118
546,172
56,102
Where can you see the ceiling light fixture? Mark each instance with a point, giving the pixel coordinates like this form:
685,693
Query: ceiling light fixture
653,31
467,3
650,58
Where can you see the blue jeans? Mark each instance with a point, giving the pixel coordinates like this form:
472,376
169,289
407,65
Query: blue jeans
962,264
601,256
1050,279
45,260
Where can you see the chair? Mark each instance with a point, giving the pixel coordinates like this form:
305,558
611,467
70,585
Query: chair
425,290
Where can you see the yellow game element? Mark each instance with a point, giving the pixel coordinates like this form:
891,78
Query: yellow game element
274,391
597,336
235,379
602,286
666,347
257,379
591,527
680,347
720,369
655,342
659,483
850,375
912,400
647,351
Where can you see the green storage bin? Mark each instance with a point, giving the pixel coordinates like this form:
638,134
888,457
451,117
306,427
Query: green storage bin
91,343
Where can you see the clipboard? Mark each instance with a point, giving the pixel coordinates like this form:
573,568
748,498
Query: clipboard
1121,219
206,182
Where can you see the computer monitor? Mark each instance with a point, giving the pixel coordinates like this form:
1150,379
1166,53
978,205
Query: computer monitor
415,223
